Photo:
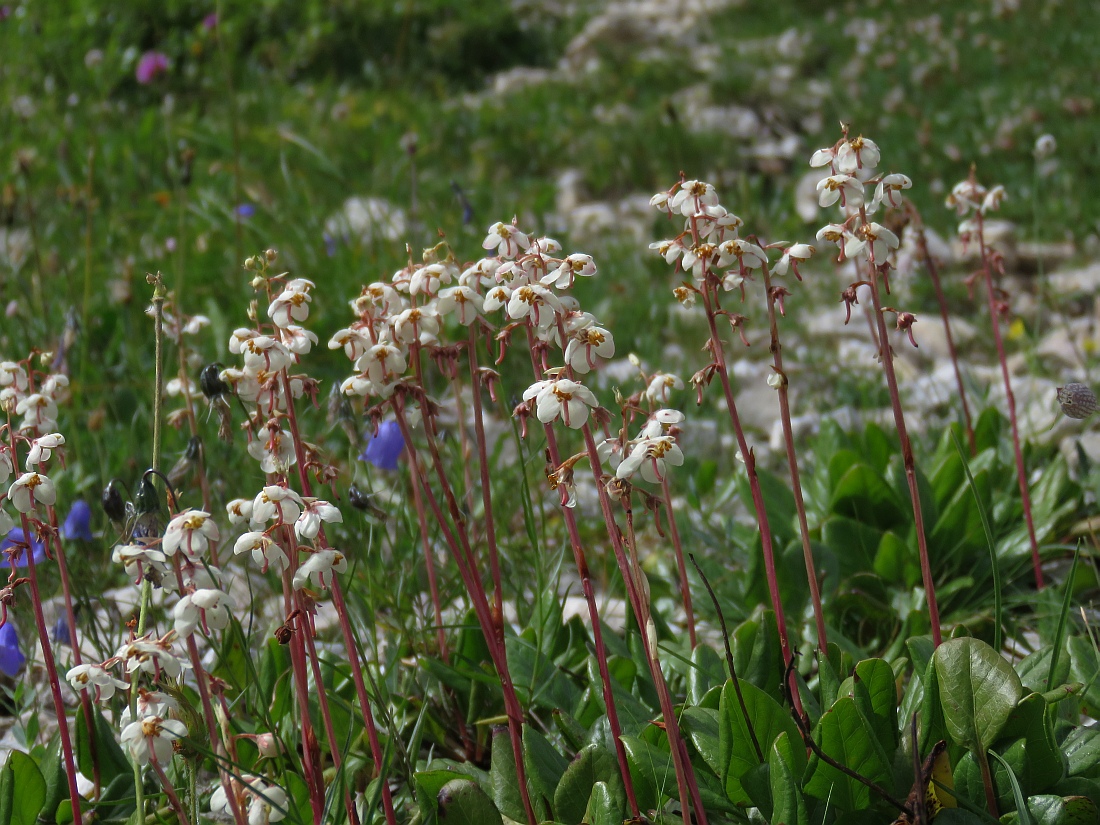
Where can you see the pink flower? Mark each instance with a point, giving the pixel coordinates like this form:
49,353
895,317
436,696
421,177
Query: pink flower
150,67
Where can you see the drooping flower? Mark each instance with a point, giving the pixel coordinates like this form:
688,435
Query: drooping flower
192,531
275,502
150,66
319,567
11,656
206,607
507,240
85,677
661,385
265,551
651,456
78,523
586,345
793,256
314,513
845,188
152,738
857,153
30,489
42,449
874,238
385,446
563,399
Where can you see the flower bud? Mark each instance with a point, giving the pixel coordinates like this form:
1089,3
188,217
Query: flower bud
113,503
1077,401
271,255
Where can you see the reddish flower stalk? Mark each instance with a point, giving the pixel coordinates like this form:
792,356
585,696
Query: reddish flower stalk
429,562
169,791
886,353
463,556
635,588
345,623
934,274
710,302
51,667
792,465
593,612
681,568
1021,470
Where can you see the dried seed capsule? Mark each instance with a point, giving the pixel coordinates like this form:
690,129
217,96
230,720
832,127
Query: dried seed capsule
1077,400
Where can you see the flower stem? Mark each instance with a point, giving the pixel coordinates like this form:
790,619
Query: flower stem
887,354
754,488
792,465
1021,470
678,549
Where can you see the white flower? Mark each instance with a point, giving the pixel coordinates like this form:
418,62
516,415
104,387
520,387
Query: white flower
415,323
13,375
1045,146
55,385
318,566
29,489
42,448
316,511
833,233
661,385
428,279
496,298
698,258
889,189
354,341
239,510
207,607
792,256
463,301
669,250
191,530
573,267
748,255
693,197
266,353
845,188
562,398
39,412
507,240
966,195
876,237
382,363
650,456
6,467
84,677
992,201
150,657
535,301
661,423
275,502
152,737
585,345
823,157
149,703
177,386
298,340
275,452
266,803
858,153
137,558
265,551
291,305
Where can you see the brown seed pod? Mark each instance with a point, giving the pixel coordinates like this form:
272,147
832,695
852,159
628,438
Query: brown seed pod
1077,400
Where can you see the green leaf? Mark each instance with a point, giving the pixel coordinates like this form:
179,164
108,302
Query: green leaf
112,761
462,802
503,776
876,692
1023,814
543,763
1034,669
768,719
707,670
778,504
853,542
1045,763
845,735
788,804
603,809
57,783
701,725
866,496
651,768
757,655
571,730
978,690
22,790
1082,751
592,764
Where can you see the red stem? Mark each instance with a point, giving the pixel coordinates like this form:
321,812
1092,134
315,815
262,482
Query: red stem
792,466
887,354
1021,470
678,548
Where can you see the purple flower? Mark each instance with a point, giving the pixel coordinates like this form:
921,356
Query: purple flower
210,21
16,537
330,244
78,524
385,446
245,210
11,657
61,633
150,67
